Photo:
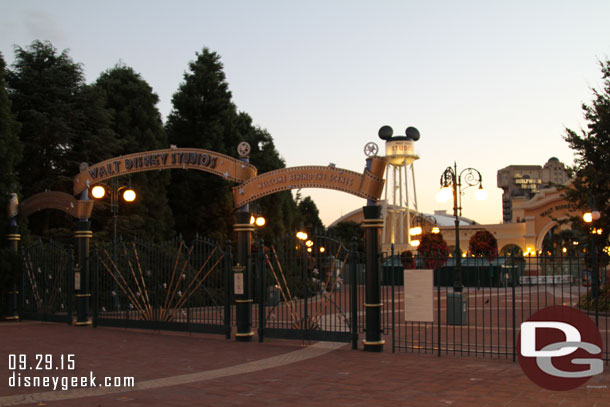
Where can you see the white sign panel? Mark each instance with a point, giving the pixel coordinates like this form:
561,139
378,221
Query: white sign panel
77,280
238,283
419,295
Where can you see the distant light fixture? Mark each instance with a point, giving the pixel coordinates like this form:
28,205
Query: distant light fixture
587,217
415,243
309,243
309,250
417,230
436,230
98,192
302,235
260,221
322,249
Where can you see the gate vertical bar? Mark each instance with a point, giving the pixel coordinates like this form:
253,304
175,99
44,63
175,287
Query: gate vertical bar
228,261
13,236
82,235
260,275
354,293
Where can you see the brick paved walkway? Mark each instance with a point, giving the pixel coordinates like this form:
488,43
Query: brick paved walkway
178,369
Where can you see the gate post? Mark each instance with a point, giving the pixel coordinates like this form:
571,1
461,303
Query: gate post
373,222
13,237
81,272
241,278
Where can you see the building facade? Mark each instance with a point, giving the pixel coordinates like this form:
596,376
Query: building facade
521,183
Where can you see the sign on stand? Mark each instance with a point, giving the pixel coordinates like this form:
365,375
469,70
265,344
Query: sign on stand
419,295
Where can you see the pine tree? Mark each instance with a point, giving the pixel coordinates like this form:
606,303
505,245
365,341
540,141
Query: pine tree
63,123
203,116
590,188
137,122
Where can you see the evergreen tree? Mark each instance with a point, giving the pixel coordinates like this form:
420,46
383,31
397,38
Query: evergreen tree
204,116
63,123
279,209
10,146
590,188
137,122
310,216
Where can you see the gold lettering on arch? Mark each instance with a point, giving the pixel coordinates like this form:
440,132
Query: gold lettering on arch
222,165
368,185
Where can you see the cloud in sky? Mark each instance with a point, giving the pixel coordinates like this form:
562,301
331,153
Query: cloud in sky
41,25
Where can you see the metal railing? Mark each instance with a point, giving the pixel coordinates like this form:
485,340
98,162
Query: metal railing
497,297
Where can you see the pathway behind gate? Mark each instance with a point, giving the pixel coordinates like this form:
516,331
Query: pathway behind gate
180,369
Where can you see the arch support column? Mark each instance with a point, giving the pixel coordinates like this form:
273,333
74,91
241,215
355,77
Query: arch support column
241,278
373,223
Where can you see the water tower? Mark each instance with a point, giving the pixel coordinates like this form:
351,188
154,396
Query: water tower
400,194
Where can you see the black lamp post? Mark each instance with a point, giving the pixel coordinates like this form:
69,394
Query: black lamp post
451,183
129,195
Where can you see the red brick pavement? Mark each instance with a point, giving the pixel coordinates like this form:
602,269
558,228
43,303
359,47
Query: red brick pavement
251,373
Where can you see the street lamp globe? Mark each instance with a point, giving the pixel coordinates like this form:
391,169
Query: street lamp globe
98,192
480,194
129,195
444,194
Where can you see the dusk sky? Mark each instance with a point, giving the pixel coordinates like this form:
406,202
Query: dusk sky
488,84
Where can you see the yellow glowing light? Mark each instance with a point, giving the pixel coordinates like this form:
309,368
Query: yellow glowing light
252,220
436,230
444,194
309,250
415,231
260,221
415,243
481,194
309,243
564,250
302,236
129,195
588,217
322,249
98,192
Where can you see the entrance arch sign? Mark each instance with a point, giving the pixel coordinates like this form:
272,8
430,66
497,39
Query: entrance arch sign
56,200
222,165
368,185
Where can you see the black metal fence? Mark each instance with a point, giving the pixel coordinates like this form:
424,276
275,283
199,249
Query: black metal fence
46,283
170,286
484,320
306,290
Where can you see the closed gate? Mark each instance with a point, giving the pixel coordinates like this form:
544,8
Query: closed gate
47,282
169,286
306,290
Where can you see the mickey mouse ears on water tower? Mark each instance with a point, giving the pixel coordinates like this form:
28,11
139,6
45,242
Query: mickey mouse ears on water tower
386,132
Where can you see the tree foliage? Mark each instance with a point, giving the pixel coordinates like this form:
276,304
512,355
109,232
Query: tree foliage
483,244
204,116
590,188
131,103
63,123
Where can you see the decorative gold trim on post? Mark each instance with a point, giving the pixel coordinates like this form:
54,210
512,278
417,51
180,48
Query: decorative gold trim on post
372,223
83,233
12,318
82,295
82,323
243,335
243,227
13,237
373,305
244,301
373,343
